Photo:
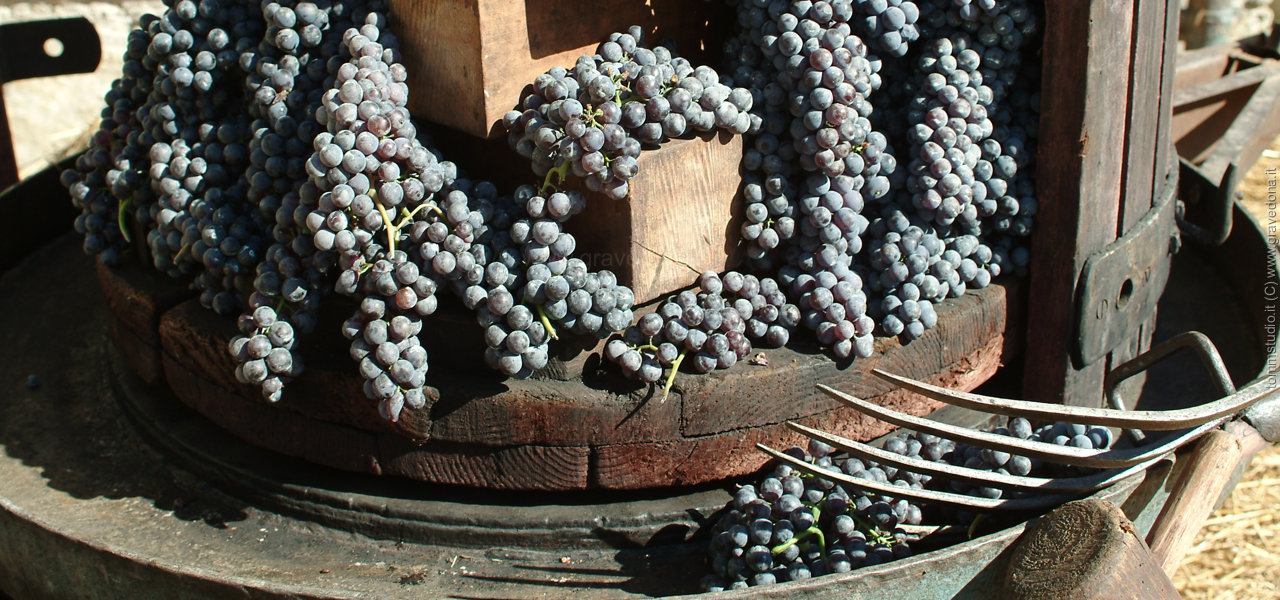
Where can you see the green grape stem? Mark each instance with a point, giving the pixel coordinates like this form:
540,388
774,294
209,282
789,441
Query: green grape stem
406,216
392,231
806,534
675,366
181,251
120,220
561,170
546,322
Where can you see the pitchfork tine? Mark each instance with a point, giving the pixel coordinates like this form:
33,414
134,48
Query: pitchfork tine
885,489
1089,483
1150,420
1104,459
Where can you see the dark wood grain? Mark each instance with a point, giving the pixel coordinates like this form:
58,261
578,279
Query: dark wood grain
484,431
682,217
1144,166
1079,182
138,295
281,431
142,357
539,468
1084,550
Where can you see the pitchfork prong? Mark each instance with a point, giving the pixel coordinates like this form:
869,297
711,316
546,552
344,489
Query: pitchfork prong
1088,483
884,489
1150,420
1104,459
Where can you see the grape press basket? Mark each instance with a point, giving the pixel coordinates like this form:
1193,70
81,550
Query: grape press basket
1138,161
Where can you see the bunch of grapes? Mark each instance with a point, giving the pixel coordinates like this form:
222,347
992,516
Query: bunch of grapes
716,325
795,525
264,150
593,120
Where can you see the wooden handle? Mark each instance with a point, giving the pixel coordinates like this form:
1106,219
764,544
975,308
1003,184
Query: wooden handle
1196,491
1084,550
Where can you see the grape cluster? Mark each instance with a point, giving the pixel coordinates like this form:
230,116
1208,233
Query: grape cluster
560,286
794,525
392,362
198,153
593,120
105,182
891,24
263,150
264,352
284,85
716,324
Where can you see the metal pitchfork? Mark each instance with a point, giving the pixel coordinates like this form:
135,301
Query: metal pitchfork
1185,425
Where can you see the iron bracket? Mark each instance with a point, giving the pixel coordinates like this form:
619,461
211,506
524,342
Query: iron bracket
23,54
1121,284
26,51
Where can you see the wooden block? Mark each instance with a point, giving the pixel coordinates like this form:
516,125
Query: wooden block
683,216
1193,497
552,413
725,455
1084,550
142,358
1087,56
469,60
329,391
195,338
510,468
280,431
961,352
137,295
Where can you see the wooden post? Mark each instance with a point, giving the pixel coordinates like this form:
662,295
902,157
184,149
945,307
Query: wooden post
8,162
1198,489
1103,155
1084,550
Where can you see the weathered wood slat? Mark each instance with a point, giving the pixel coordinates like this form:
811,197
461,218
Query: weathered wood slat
280,431
142,357
539,468
475,424
1079,182
1088,550
682,217
1145,164
137,295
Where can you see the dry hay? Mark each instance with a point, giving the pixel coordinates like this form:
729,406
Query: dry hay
1236,555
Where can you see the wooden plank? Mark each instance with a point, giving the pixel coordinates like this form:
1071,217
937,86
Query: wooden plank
8,161
280,431
512,468
682,217
196,339
1144,166
1168,157
1250,77
1197,128
1079,182
1193,498
961,352
143,358
138,295
1145,108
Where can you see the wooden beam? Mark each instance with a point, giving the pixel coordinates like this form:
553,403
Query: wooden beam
1080,168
